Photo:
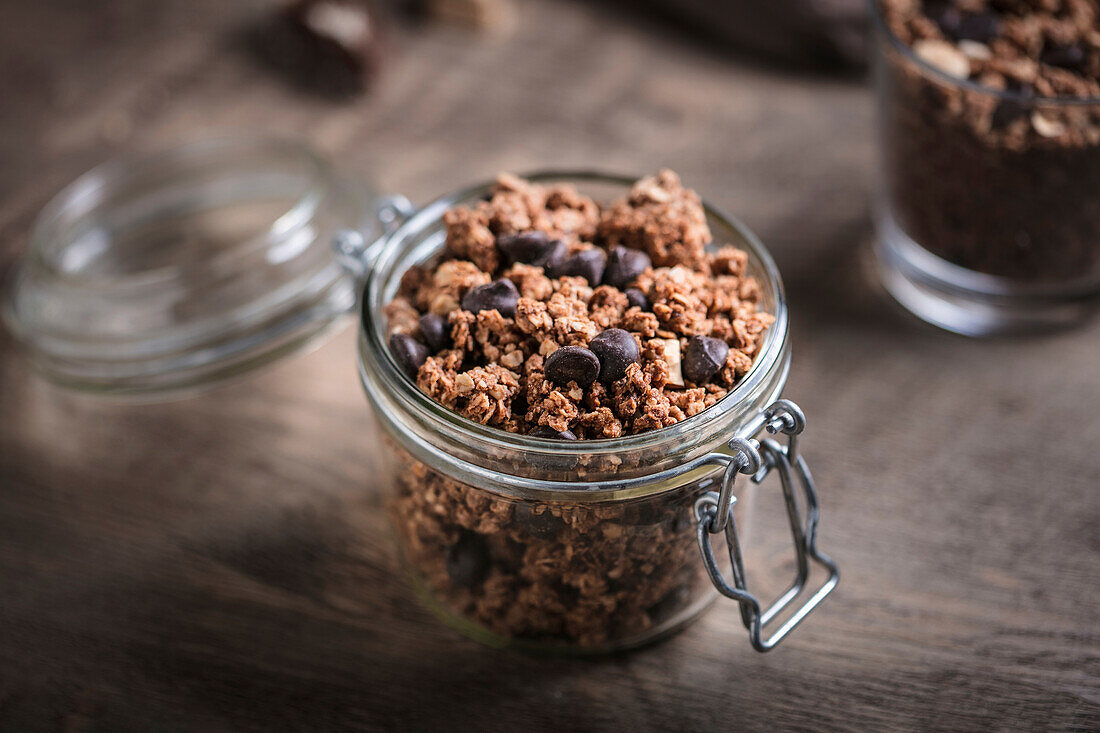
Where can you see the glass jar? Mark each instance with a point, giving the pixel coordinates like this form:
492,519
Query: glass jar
986,213
579,547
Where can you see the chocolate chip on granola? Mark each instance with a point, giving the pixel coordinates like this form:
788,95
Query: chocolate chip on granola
499,295
408,352
434,331
545,431
624,265
542,524
703,357
588,263
945,15
1010,109
468,561
636,298
980,27
572,364
553,256
531,248
1070,56
617,349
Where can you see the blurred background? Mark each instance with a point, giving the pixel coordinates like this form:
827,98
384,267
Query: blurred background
215,563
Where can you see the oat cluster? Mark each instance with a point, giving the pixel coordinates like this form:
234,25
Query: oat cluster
535,269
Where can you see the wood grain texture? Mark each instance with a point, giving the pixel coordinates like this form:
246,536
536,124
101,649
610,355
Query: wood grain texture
198,566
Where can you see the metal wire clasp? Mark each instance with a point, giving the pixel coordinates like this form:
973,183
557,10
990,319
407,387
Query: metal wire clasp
354,251
714,514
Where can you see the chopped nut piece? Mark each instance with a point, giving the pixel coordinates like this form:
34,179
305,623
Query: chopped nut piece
1046,126
975,51
944,56
672,359
464,384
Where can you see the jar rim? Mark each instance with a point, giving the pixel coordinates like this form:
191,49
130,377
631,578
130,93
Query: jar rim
878,20
372,340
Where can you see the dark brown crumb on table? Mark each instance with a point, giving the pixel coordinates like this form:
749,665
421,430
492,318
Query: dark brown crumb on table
998,184
559,250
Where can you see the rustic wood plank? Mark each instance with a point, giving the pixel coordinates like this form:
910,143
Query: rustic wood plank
219,563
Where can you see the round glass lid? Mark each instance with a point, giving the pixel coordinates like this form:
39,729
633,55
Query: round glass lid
172,270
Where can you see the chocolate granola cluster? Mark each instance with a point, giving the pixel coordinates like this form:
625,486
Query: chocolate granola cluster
551,316
997,183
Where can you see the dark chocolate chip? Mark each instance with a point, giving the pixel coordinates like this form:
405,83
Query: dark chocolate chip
1009,110
552,257
531,248
519,403
623,265
540,524
572,364
944,14
703,357
588,263
499,295
674,601
408,352
434,331
1006,112
1071,56
637,298
980,27
468,561
617,349
545,431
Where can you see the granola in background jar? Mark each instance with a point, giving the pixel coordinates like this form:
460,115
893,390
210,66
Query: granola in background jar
990,135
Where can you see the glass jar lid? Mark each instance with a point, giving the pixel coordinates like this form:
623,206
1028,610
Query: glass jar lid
169,271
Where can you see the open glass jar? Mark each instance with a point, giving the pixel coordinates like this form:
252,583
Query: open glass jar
590,546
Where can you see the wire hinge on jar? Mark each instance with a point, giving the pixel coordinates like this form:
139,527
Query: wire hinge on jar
714,514
354,251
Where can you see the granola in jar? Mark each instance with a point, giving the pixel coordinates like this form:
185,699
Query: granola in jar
553,316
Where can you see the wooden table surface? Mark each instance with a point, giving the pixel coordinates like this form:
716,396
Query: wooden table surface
193,565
